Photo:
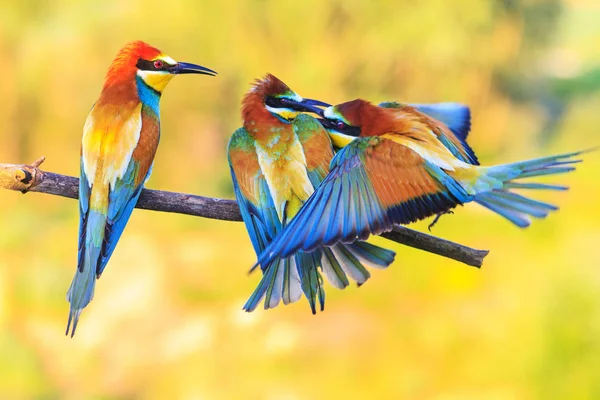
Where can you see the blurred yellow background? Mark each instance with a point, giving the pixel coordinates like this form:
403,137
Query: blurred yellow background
167,321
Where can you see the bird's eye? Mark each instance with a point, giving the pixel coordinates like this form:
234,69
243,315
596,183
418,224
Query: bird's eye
340,125
283,100
158,64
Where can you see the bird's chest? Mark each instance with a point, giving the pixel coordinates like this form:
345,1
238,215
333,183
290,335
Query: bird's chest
283,164
108,143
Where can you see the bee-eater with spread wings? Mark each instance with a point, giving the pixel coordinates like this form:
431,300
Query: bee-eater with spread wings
120,138
276,160
398,165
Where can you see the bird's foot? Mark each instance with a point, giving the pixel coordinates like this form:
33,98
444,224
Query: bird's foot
437,217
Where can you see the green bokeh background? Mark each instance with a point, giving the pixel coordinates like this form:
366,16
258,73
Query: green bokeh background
167,321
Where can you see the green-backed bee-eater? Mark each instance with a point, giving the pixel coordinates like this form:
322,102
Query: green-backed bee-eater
276,160
120,138
396,166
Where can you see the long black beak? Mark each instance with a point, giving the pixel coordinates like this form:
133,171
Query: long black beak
187,68
310,105
316,103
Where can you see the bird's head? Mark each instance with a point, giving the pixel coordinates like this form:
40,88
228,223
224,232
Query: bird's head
344,122
153,67
271,94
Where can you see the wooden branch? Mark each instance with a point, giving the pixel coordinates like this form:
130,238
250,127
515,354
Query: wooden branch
29,178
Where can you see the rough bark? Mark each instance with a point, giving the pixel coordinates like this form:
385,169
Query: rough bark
29,178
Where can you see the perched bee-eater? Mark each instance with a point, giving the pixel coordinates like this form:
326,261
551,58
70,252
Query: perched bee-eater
120,138
276,160
397,166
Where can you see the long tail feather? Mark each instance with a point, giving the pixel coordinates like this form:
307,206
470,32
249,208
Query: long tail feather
371,255
287,279
312,282
516,208
82,287
533,186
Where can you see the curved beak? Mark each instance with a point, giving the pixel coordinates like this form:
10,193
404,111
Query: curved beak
187,68
310,105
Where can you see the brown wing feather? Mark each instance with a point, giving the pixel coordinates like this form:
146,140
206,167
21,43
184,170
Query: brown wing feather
146,149
247,172
398,173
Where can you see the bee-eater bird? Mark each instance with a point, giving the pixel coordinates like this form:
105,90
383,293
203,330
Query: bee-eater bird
120,138
397,166
276,160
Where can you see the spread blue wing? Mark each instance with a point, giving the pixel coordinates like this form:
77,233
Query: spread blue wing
367,192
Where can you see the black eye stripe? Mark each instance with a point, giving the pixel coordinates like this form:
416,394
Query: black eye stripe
275,102
146,65
342,127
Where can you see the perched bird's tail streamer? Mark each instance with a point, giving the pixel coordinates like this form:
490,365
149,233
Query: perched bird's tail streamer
287,278
81,291
494,187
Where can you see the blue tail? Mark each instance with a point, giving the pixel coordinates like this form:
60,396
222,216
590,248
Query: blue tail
286,279
81,291
494,187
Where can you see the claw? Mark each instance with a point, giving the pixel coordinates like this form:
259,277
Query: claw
437,217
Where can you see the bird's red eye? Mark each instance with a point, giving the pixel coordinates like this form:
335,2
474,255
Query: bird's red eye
340,125
158,64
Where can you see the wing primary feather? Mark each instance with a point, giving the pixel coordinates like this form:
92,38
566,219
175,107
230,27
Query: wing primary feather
260,290
314,224
347,210
331,233
362,221
371,203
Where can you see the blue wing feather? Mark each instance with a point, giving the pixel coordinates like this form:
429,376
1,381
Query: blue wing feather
261,221
84,203
333,219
